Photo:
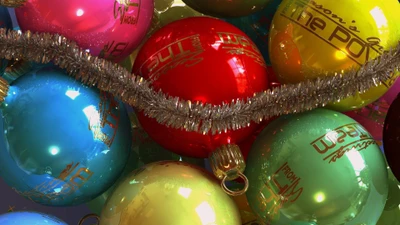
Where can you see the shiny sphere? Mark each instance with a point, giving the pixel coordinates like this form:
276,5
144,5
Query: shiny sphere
169,192
204,60
29,218
227,8
110,29
144,151
310,38
391,137
317,167
257,26
62,143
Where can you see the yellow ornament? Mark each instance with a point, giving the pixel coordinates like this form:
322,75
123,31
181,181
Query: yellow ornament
332,36
169,193
165,12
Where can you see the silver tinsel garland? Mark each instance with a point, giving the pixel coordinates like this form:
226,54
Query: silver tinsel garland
194,116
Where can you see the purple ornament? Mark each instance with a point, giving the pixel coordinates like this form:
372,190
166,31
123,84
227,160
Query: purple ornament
372,116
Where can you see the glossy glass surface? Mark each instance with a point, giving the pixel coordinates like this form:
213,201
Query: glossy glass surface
309,36
257,26
391,214
391,134
144,151
372,116
31,218
109,28
62,142
169,192
227,8
320,166
165,12
200,59
5,22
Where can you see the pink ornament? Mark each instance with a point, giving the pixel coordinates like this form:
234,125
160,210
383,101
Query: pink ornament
372,116
111,29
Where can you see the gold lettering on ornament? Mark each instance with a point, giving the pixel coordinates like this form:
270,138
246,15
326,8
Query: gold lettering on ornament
109,118
236,44
122,7
332,142
61,187
284,186
333,30
184,52
113,49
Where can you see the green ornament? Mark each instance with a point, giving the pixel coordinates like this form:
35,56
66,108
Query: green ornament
144,151
391,214
227,8
319,166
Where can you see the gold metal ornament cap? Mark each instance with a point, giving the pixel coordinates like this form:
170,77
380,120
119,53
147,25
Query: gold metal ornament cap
12,3
4,86
228,164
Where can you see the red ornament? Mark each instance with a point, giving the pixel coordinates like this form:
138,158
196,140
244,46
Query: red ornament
200,59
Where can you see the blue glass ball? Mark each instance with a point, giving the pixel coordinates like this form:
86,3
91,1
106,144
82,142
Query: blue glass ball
29,218
63,143
257,26
5,22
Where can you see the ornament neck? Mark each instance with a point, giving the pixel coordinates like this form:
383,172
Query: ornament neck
228,164
4,86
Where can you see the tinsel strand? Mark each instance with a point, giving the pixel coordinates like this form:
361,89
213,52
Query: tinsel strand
12,3
195,116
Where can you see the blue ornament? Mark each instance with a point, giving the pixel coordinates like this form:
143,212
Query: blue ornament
257,26
63,143
5,22
29,218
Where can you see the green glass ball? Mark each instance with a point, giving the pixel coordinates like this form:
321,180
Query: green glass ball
318,167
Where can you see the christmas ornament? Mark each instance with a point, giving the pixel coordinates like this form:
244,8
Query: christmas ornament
5,22
315,37
63,143
111,29
391,214
227,8
31,218
246,213
203,60
316,167
391,133
144,151
372,116
257,26
165,12
169,192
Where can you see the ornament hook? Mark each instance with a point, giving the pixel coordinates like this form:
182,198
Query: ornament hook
227,163
89,216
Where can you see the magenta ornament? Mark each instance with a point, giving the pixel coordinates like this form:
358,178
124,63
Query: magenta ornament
372,116
111,29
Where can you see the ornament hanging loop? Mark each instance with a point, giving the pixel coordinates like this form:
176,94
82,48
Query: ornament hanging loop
4,86
228,164
88,216
12,3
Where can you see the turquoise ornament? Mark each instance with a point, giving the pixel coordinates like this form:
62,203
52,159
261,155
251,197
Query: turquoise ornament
29,218
317,167
63,143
